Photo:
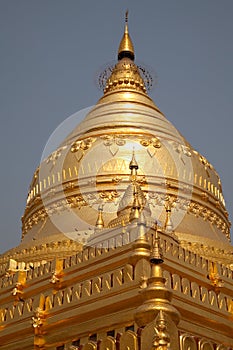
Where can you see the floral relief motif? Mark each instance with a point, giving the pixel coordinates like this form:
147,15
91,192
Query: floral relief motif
113,142
17,291
116,179
109,196
204,161
161,199
80,146
151,143
196,209
182,150
55,278
52,158
38,318
207,166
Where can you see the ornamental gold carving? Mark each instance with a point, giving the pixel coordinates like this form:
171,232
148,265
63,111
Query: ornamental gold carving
55,278
207,166
52,158
109,196
162,199
17,291
80,146
187,342
154,199
113,142
39,318
151,143
206,163
181,149
75,201
214,276
117,179
161,339
69,185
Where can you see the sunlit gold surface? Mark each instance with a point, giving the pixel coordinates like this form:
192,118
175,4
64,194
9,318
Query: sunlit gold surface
99,150
124,287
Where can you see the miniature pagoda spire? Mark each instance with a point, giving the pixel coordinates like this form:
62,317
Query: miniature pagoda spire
156,253
133,165
136,207
156,295
168,222
100,222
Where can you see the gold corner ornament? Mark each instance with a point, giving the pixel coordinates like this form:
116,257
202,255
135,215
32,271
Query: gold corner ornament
17,292
214,276
55,278
38,319
161,339
57,273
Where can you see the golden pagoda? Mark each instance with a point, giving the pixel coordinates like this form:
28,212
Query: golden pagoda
125,236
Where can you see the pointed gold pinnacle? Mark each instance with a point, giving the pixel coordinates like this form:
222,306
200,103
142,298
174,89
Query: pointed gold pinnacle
126,48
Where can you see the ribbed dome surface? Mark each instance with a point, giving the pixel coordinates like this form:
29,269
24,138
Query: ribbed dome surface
91,167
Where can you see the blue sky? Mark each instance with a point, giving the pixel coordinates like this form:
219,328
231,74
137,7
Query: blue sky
52,51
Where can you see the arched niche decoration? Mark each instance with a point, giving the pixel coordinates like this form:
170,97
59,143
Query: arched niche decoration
187,342
90,346
128,341
205,345
107,343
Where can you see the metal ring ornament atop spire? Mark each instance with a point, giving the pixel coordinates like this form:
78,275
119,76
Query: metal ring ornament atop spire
121,72
147,75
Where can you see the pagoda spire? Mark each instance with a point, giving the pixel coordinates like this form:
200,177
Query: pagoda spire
156,295
136,207
133,166
126,48
125,75
100,222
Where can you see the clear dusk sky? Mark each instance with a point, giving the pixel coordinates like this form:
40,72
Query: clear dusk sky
52,50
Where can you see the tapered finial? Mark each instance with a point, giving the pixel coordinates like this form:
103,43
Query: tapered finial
126,48
168,222
135,210
126,16
100,222
156,254
133,165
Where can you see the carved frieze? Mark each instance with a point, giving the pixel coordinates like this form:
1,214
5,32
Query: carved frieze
80,146
53,157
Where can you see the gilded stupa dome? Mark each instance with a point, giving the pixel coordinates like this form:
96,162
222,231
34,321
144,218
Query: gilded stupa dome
91,169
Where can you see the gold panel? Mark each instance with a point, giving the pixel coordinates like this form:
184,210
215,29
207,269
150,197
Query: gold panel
128,341
108,343
187,342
